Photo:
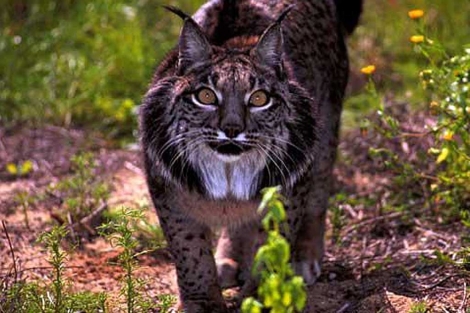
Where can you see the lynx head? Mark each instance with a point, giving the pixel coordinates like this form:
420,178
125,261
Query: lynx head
228,120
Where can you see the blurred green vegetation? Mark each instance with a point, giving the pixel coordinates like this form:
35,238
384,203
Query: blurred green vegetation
81,63
88,63
383,39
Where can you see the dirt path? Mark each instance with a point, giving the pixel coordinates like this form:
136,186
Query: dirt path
382,263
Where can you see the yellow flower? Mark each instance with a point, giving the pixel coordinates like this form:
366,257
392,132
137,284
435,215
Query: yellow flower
434,107
417,39
12,168
415,14
448,136
369,69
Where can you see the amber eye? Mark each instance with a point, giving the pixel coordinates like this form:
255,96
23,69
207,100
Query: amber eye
206,96
259,98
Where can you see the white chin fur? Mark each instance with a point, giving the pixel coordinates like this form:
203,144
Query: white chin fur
228,158
227,176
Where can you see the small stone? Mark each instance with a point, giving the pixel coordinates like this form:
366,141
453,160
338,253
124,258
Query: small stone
332,276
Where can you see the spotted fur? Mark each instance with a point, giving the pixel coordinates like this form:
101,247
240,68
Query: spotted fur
207,162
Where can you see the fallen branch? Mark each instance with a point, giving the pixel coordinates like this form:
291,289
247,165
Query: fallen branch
436,284
84,222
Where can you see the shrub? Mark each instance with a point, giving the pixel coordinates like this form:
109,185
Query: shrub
446,82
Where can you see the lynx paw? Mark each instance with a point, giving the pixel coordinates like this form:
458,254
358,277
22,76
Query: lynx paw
309,270
204,307
227,271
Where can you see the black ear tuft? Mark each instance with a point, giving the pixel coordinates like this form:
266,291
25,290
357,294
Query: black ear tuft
194,48
177,11
349,12
284,13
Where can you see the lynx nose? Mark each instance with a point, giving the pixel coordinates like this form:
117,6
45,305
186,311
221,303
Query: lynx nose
232,130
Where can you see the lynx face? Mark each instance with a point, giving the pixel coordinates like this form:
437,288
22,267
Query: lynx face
237,123
232,123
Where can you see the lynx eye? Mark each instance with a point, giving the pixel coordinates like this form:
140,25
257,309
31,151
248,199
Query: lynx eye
259,98
206,96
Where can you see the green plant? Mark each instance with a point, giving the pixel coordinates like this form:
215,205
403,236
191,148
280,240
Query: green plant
388,49
120,232
337,217
148,233
446,82
279,289
25,200
52,241
83,195
24,297
464,255
165,302
419,307
29,297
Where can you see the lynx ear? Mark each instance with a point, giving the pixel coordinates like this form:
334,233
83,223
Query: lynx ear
194,48
193,45
269,48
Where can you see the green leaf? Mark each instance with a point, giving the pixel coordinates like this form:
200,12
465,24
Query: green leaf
282,250
268,194
299,293
287,296
250,305
278,212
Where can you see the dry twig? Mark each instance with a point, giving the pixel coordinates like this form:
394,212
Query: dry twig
464,300
15,267
436,284
344,308
372,220
86,220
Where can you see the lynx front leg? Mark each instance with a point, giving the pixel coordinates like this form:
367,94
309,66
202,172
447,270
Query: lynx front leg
190,244
235,253
227,258
309,244
309,247
235,250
